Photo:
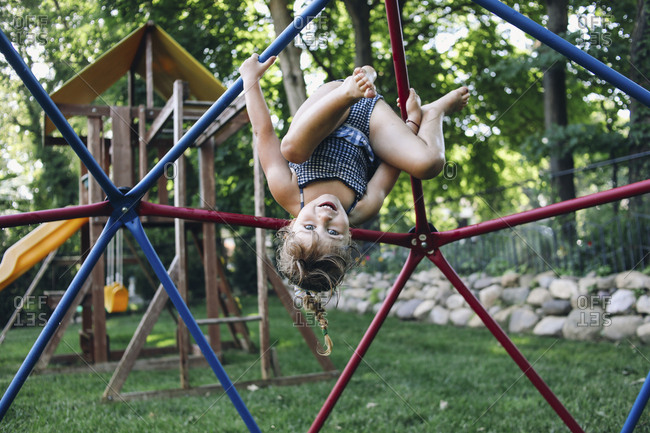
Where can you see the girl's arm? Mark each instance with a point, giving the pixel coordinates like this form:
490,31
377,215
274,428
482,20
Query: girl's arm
380,185
276,169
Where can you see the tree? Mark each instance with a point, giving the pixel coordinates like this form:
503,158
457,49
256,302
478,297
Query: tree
292,78
639,135
555,107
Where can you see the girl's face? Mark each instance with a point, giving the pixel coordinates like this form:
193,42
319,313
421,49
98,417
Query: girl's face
326,217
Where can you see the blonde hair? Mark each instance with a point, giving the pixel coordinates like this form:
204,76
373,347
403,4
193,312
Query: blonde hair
314,270
312,267
313,304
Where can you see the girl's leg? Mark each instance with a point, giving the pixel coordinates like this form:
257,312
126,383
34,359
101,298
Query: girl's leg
322,113
421,155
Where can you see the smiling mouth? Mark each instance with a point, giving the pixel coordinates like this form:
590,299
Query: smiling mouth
329,205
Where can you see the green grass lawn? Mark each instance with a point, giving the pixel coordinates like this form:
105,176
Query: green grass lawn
415,378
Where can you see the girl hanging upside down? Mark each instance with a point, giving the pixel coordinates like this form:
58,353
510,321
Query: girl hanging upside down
335,166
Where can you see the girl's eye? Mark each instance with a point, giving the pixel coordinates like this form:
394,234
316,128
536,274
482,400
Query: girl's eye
309,227
333,232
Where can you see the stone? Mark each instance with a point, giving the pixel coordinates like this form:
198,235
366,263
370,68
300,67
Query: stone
406,310
584,323
439,315
475,322
643,332
430,292
409,293
544,279
606,283
454,301
483,282
563,288
363,307
527,280
522,320
382,285
587,285
550,326
510,279
423,310
515,296
621,301
361,280
643,304
460,316
502,316
443,295
631,280
490,295
621,327
355,293
538,296
472,278
556,307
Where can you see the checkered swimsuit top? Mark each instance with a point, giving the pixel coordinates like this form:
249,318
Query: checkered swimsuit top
343,155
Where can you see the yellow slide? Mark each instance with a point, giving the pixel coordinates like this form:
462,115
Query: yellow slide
34,247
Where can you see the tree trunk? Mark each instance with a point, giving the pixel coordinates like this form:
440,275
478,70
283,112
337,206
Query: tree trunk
293,79
639,136
555,115
359,12
555,106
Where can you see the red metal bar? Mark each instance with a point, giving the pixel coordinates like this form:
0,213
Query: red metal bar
153,209
411,263
40,216
402,78
563,207
501,336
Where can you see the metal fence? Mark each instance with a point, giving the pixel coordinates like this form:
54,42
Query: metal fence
619,244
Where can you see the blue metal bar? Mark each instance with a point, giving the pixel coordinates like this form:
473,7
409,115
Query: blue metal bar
135,226
57,316
563,47
286,37
639,404
57,118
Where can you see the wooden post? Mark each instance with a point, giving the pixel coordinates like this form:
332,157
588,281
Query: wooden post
210,258
143,166
95,193
179,237
262,288
163,198
122,160
148,56
132,351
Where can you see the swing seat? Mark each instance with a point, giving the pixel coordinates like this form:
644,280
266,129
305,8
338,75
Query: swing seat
116,298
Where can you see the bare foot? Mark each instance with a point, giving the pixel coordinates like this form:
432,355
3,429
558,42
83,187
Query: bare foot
452,102
361,83
413,108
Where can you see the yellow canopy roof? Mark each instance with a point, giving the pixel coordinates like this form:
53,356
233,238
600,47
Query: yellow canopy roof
170,62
